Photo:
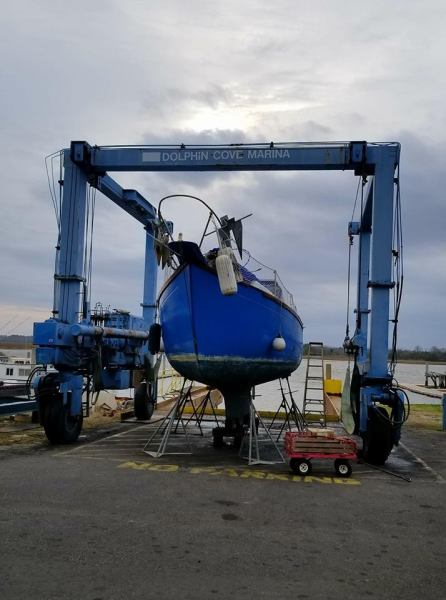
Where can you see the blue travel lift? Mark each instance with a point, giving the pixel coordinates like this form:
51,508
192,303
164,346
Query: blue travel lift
92,350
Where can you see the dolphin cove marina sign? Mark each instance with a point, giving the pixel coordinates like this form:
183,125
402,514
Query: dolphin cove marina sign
216,154
357,156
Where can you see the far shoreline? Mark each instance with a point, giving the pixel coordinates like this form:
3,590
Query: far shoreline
414,361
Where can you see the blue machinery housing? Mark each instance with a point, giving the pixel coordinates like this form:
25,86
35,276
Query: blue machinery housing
116,347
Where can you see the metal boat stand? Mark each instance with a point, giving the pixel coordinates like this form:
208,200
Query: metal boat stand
258,435
294,419
198,412
174,424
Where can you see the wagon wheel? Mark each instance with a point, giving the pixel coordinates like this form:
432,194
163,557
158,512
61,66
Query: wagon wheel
343,467
300,466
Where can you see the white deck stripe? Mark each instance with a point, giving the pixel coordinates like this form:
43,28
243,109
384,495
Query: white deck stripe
115,435
420,461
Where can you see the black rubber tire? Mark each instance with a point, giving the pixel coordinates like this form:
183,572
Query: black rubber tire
60,427
378,441
47,392
239,434
355,395
154,338
143,404
217,435
301,466
342,467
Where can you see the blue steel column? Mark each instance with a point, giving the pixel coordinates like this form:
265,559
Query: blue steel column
381,260
150,277
70,267
363,295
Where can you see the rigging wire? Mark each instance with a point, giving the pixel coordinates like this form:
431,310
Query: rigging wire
356,197
347,325
184,196
61,179
50,187
88,249
49,167
87,225
350,245
398,270
90,260
53,158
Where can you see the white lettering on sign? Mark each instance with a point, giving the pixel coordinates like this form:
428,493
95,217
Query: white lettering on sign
228,154
173,156
264,154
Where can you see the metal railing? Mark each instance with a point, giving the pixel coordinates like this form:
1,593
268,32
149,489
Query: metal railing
252,270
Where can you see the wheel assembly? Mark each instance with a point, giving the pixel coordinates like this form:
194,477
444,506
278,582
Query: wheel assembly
301,466
217,435
144,404
378,440
61,427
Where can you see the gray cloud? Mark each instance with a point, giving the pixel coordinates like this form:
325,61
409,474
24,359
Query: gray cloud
202,72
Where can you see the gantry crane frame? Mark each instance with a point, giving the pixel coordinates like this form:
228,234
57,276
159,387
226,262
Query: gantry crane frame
70,335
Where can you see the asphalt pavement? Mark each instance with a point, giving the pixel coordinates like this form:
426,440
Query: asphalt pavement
101,520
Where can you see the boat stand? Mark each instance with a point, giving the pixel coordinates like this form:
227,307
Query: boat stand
174,424
257,435
199,411
294,419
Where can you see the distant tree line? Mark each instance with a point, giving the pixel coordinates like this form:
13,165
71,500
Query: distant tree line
434,354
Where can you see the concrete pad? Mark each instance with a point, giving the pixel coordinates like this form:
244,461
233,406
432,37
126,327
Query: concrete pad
102,520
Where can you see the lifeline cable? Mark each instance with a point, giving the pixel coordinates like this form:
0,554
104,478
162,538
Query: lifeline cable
51,185
347,327
407,478
398,270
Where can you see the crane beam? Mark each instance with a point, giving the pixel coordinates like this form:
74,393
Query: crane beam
234,157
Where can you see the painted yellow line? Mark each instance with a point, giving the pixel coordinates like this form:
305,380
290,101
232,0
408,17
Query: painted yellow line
235,473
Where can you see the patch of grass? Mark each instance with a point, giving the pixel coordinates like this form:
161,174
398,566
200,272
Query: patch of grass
425,416
19,431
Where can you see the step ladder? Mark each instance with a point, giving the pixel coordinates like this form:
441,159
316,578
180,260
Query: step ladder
314,399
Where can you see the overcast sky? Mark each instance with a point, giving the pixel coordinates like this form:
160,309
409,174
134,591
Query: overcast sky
172,71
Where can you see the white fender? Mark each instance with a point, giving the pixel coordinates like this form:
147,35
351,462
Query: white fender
225,274
279,343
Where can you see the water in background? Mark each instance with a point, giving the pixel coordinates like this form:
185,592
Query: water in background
268,396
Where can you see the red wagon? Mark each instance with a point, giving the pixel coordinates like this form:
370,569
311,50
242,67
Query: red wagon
302,446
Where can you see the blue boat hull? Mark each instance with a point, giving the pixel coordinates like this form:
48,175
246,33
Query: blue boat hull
226,341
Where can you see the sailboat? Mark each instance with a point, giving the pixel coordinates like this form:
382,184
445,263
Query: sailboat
226,322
